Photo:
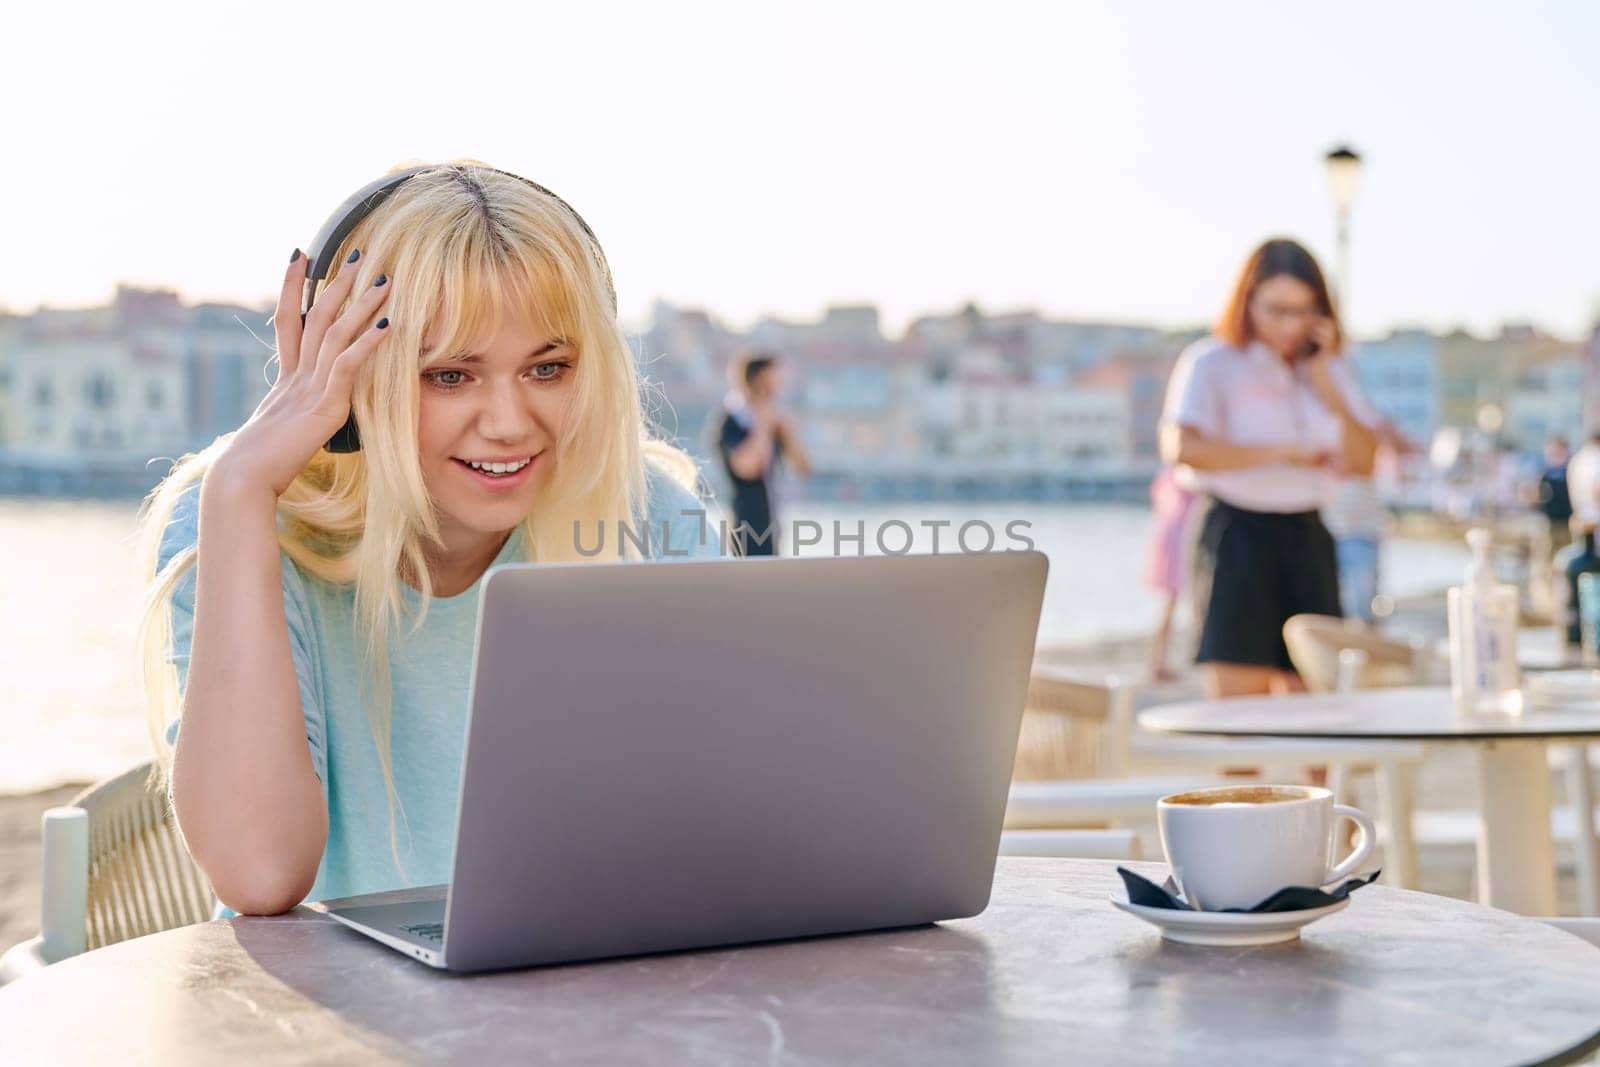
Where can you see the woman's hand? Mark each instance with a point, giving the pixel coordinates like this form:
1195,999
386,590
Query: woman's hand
1359,443
1325,336
1317,367
317,365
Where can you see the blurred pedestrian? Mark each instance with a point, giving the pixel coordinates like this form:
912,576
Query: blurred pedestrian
1554,500
752,435
1167,560
1355,517
1583,482
1265,414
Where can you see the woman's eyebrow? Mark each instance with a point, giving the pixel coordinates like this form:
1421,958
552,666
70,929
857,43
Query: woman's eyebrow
474,357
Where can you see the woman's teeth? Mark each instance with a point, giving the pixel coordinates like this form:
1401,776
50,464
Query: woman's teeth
497,468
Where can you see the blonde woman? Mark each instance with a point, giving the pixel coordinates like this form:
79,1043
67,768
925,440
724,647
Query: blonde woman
317,608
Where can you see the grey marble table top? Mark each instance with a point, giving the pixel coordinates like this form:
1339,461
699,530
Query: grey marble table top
1050,973
1414,713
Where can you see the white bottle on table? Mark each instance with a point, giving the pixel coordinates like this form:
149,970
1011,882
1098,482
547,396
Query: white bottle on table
1483,617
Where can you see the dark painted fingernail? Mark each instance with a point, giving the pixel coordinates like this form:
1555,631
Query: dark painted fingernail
295,257
383,323
354,256
383,279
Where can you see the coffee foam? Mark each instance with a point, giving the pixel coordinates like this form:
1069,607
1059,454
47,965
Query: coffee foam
1248,794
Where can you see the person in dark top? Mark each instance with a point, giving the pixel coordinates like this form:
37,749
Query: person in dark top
1555,501
751,435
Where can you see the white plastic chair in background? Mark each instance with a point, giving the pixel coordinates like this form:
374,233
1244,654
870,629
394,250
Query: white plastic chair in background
1340,655
1574,760
1068,768
1124,770
1072,844
113,868
1316,641
64,896
1393,774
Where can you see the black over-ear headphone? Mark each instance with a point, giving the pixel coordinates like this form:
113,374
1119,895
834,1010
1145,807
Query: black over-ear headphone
358,206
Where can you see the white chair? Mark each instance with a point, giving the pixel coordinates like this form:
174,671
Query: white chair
62,931
1106,741
1394,769
1131,768
1091,802
1286,758
1071,844
1340,655
1459,828
1067,774
1580,811
114,868
1316,641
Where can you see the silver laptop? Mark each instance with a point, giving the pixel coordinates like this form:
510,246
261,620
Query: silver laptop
693,753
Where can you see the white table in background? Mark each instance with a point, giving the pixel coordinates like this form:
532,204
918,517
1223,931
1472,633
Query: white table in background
1516,853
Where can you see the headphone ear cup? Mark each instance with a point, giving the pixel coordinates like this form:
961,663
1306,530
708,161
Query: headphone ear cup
348,436
348,439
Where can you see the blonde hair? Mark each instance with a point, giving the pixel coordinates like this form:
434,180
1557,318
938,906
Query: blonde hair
465,247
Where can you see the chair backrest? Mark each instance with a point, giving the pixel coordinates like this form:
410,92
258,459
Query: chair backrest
1315,641
1072,728
141,877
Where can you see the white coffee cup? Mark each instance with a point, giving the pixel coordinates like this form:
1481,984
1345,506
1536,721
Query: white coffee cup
1234,846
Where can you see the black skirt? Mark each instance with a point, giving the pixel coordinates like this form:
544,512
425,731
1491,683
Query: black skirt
1253,570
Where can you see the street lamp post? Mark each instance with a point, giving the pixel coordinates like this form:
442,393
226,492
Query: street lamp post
1344,168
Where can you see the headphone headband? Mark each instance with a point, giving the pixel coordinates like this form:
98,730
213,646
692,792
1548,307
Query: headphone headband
363,202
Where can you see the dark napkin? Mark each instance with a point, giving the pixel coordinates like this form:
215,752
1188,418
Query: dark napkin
1145,893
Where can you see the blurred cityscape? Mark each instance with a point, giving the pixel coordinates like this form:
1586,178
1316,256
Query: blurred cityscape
966,404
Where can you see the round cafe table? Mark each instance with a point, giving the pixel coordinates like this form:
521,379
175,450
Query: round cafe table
1516,854
1049,973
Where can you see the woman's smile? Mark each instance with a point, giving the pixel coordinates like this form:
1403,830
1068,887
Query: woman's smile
497,475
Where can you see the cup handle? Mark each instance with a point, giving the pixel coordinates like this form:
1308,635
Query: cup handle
1365,839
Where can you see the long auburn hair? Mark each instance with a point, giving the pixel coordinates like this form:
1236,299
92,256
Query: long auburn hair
1277,256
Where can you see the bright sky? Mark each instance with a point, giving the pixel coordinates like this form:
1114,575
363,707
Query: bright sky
1105,161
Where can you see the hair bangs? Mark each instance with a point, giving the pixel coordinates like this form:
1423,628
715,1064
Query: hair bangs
480,293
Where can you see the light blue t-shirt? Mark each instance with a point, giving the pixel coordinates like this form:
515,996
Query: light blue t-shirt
430,673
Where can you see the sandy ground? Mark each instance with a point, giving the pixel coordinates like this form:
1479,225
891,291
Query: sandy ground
1446,781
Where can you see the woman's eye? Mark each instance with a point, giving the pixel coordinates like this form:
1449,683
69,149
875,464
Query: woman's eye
550,371
439,377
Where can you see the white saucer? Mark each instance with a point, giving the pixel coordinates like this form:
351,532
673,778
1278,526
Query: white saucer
1227,927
